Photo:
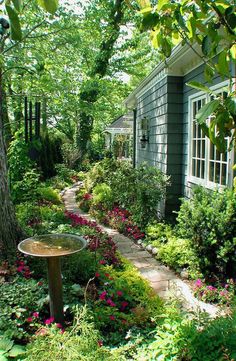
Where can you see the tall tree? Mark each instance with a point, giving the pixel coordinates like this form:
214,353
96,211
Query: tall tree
91,88
10,232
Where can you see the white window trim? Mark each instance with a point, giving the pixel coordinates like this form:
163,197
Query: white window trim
198,181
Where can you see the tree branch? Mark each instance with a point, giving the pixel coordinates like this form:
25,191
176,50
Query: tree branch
24,37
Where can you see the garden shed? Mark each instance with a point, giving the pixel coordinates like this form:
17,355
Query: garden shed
118,136
166,134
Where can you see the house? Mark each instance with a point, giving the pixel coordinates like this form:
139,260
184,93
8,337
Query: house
165,132
118,136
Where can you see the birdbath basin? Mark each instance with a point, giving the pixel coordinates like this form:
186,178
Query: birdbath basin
52,247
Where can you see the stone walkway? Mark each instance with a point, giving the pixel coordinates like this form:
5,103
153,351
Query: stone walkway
165,282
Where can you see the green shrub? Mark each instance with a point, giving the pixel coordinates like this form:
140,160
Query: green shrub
80,342
159,231
102,194
25,189
19,299
49,194
208,219
137,190
178,253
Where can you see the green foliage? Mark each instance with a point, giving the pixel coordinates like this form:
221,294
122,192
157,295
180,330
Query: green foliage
19,299
178,254
49,194
11,350
208,220
159,231
137,190
80,342
26,188
102,194
18,159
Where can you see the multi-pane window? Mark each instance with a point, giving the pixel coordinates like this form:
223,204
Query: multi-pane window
207,165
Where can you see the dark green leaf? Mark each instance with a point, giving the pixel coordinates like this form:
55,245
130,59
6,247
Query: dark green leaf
208,73
166,47
49,5
17,4
149,21
230,103
199,86
223,64
207,110
231,20
16,33
206,45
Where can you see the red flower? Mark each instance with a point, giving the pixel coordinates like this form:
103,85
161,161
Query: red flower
36,314
112,318
49,320
100,343
119,293
102,261
29,319
103,295
110,303
40,283
97,274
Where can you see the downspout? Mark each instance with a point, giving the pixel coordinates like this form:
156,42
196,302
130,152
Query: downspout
134,136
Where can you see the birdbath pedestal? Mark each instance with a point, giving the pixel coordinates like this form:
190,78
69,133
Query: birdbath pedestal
53,247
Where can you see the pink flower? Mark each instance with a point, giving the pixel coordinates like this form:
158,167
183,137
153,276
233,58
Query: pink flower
198,283
112,318
20,268
29,319
58,325
36,314
49,320
119,293
110,303
102,261
103,295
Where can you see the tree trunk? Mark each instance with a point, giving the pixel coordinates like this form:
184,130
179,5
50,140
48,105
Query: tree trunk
90,92
10,232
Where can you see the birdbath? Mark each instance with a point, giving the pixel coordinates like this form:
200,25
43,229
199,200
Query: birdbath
52,247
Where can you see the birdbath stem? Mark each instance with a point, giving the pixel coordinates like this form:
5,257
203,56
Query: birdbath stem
55,289
53,247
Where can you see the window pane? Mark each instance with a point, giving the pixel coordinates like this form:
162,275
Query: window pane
194,129
223,174
199,148
211,171
193,167
203,148
217,173
198,169
217,155
202,169
194,148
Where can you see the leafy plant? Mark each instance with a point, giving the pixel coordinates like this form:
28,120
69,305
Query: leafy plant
208,220
49,194
11,350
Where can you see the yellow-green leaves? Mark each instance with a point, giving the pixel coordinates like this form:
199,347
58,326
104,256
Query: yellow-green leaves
16,33
144,4
49,5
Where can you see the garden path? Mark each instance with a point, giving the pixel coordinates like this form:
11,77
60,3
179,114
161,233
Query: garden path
163,281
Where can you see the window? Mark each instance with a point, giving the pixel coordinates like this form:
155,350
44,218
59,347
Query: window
207,166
